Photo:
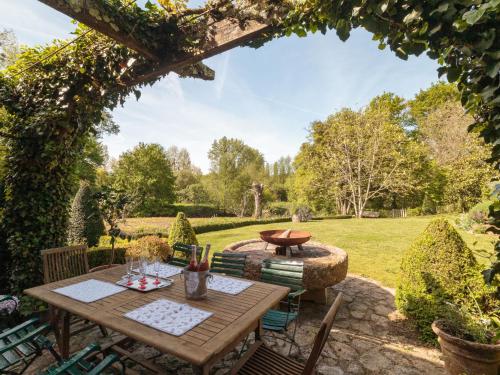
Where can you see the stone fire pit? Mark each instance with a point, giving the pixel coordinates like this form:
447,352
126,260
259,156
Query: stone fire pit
324,265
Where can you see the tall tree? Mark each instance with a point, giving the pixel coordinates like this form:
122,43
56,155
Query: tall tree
460,155
234,167
360,154
186,174
145,174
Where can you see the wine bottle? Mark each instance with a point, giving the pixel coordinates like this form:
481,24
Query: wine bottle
203,266
193,264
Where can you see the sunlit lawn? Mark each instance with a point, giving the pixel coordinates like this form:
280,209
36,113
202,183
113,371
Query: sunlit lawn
374,246
161,224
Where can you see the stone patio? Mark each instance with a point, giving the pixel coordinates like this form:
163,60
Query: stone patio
369,337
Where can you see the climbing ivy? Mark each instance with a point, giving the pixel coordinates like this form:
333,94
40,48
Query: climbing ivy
51,111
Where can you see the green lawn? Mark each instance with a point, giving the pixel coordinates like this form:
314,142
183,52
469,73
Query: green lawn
375,246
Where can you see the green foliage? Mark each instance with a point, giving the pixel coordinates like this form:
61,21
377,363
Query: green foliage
234,166
439,269
145,174
99,256
150,246
85,225
181,231
195,193
428,100
428,206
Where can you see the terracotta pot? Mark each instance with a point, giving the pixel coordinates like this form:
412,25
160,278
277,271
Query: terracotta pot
462,357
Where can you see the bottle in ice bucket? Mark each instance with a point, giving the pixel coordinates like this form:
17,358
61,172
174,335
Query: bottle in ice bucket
203,266
193,264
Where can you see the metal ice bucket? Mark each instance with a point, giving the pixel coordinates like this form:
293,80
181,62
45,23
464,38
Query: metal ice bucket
195,283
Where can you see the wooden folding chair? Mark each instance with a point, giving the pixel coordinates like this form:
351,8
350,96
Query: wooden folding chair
63,263
232,264
260,360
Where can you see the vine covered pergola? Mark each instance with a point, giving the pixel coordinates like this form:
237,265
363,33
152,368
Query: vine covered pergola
54,96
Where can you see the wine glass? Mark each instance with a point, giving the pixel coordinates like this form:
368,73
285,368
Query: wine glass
156,267
143,263
130,267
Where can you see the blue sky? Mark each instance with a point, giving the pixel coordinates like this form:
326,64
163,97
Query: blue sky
266,97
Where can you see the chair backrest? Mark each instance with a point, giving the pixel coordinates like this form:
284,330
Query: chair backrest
322,336
181,254
228,263
64,262
282,272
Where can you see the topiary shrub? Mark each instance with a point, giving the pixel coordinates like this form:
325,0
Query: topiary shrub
181,231
439,272
85,225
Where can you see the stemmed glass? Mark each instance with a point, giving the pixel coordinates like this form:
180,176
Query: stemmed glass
143,263
130,267
156,267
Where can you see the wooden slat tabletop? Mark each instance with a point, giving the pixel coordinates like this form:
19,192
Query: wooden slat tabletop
234,316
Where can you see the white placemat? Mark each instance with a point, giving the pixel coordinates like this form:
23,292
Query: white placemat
90,290
168,316
166,270
228,285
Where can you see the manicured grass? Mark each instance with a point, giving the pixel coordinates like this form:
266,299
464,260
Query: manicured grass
374,246
161,224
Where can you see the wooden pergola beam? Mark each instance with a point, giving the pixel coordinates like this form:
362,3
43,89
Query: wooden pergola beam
220,36
226,34
94,14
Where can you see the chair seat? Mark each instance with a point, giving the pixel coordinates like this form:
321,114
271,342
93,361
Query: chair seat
276,320
22,351
264,361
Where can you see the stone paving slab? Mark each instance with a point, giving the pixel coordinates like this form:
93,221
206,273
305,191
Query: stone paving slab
368,337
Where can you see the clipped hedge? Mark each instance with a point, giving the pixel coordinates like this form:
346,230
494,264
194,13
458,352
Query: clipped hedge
204,228
191,210
437,272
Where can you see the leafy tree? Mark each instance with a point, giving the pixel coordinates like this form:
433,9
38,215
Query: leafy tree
358,156
460,155
234,167
185,172
85,224
145,174
428,100
9,48
195,193
113,206
181,231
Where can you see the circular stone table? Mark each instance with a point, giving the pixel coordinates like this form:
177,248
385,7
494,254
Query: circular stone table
324,265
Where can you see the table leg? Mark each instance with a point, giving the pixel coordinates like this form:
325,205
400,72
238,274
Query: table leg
258,331
200,370
65,335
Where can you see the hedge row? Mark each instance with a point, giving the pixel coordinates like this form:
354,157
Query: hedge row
213,227
191,210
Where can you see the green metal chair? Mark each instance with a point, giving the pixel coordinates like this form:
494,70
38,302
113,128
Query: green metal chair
21,345
181,254
80,363
290,274
232,264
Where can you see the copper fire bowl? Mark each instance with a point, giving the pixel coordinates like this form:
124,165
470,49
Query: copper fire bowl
295,238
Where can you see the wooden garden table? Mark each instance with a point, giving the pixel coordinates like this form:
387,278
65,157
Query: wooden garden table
234,316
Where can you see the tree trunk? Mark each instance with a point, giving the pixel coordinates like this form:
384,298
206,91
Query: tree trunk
244,205
258,191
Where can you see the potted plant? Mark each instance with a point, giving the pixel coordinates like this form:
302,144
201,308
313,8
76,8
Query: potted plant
470,342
